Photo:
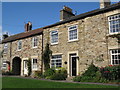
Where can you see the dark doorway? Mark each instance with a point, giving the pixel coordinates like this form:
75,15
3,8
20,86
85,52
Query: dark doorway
74,66
16,66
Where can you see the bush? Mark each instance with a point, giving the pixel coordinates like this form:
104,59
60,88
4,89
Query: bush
56,74
91,71
29,67
111,72
49,72
60,74
88,76
37,74
77,79
103,75
7,73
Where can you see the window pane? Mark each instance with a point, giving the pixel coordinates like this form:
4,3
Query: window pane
54,36
114,23
115,56
56,61
34,41
73,33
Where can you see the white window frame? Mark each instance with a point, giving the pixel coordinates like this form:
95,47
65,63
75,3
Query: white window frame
53,43
71,30
18,45
109,20
114,54
34,66
55,61
5,47
4,63
34,41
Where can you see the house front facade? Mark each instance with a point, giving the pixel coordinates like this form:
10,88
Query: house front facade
20,48
75,41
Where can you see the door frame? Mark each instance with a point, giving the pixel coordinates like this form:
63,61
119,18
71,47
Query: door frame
24,66
69,60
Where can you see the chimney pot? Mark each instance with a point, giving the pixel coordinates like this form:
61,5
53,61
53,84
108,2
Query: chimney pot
5,35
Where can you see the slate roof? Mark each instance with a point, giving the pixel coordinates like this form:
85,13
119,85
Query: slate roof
23,35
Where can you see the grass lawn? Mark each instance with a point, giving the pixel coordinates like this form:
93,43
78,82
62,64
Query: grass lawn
12,82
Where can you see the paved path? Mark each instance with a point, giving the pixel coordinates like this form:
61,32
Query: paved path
64,81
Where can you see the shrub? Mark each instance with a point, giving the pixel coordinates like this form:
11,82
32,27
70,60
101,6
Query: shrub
7,73
29,67
111,72
91,71
58,76
46,56
38,74
88,76
77,79
49,72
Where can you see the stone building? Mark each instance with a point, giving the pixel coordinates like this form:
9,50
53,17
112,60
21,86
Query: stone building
75,41
21,47
91,37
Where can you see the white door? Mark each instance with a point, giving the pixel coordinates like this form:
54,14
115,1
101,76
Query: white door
25,63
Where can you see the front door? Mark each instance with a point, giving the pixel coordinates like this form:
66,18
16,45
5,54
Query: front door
74,65
25,63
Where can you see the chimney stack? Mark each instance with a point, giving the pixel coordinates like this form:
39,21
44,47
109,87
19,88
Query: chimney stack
5,35
28,26
66,13
104,3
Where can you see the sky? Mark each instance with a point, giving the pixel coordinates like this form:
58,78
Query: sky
16,14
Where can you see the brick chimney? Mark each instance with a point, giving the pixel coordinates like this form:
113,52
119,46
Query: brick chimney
28,26
104,3
66,13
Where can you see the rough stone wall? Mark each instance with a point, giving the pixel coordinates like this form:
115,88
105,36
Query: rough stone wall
6,56
92,44
27,51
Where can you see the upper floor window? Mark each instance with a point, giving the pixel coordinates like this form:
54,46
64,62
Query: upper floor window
19,45
34,42
72,33
5,47
34,64
56,61
114,23
115,57
54,37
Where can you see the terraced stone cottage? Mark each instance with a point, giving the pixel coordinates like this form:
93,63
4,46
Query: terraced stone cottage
75,41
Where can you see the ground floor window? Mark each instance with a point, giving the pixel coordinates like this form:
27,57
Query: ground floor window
4,65
56,61
115,56
34,64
